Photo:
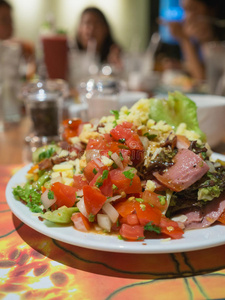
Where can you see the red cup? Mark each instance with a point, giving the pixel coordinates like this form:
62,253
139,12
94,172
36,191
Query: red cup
55,49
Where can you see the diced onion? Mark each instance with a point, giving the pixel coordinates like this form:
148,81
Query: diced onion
98,163
144,141
82,208
45,201
211,166
111,212
117,160
78,223
111,199
104,222
92,154
80,193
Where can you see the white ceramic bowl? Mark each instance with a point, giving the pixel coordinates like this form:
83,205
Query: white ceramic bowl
126,98
211,116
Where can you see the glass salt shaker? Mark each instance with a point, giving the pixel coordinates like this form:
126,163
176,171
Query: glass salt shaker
44,107
101,96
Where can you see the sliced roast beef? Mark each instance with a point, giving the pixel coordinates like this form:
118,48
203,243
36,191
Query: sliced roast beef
187,169
205,216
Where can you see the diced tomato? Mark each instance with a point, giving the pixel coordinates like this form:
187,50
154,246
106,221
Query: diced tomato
132,219
70,128
134,142
132,233
65,195
125,184
92,167
105,185
93,199
108,138
98,144
170,228
125,208
79,181
154,199
72,123
146,213
81,222
122,131
222,218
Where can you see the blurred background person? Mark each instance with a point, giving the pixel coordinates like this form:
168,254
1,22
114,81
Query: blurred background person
6,23
200,26
6,35
94,27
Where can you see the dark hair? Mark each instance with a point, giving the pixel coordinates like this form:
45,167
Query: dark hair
109,41
217,7
4,3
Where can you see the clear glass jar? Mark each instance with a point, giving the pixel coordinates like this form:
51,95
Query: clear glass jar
101,95
44,107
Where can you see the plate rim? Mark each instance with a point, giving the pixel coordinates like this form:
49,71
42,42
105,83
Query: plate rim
109,243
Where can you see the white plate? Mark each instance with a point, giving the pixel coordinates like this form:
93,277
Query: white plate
192,240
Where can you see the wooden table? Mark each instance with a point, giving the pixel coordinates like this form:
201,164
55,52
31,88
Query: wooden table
13,149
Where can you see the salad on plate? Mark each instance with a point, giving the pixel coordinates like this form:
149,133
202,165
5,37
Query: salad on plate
139,173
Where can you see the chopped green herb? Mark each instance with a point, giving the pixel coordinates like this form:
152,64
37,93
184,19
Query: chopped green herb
120,237
140,200
162,200
123,147
122,141
46,154
116,113
143,207
204,155
100,179
50,195
105,174
129,174
114,187
110,153
95,171
91,218
150,136
114,166
152,227
114,123
121,156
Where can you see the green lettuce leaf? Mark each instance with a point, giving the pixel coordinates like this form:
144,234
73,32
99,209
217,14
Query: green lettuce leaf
177,109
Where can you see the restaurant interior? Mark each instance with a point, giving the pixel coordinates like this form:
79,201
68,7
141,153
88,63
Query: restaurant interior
67,64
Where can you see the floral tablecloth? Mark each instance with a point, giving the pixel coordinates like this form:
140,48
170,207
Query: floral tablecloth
33,266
